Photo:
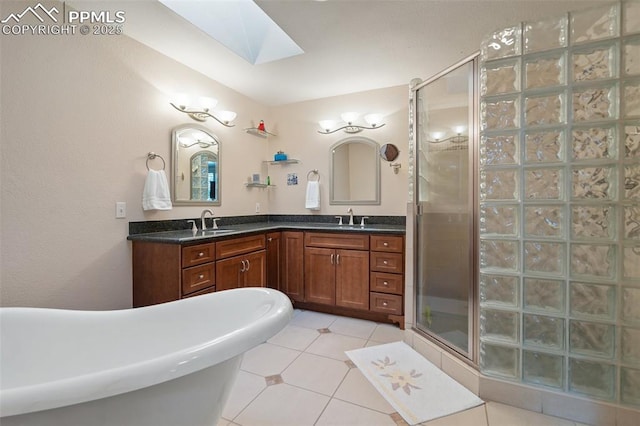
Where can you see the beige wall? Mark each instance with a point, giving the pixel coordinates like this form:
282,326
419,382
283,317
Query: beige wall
78,116
297,130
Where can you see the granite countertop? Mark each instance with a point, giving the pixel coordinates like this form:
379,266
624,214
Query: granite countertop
186,235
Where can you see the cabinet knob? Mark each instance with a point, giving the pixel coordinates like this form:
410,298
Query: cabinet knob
385,262
201,276
200,254
386,244
269,239
384,303
385,283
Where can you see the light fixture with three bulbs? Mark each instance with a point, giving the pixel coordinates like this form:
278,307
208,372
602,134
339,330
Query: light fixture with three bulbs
374,121
203,110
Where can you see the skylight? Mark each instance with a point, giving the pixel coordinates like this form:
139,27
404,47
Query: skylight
240,25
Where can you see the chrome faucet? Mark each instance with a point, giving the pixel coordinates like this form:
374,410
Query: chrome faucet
202,217
350,211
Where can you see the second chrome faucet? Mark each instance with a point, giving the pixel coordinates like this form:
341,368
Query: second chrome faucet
203,216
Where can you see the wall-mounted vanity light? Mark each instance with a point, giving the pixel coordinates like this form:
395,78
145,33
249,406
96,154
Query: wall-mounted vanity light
374,121
202,111
442,137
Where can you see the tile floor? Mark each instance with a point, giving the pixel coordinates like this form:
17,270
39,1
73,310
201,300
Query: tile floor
302,377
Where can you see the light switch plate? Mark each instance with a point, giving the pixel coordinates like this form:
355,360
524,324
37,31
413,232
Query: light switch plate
121,210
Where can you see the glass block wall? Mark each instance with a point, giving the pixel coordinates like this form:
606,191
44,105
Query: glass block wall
560,203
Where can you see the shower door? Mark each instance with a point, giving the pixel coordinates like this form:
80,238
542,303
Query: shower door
445,156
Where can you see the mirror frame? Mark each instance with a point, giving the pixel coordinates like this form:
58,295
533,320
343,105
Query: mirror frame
174,166
376,158
384,149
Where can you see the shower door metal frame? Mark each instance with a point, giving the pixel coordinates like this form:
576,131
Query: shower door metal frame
472,356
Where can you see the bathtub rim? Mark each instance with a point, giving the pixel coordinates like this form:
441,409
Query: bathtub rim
134,376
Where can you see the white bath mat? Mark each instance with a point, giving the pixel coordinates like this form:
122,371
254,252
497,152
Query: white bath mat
417,389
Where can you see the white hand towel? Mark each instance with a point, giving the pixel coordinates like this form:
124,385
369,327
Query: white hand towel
156,191
312,200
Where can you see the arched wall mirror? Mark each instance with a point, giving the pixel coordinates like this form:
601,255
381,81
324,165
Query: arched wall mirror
354,172
196,166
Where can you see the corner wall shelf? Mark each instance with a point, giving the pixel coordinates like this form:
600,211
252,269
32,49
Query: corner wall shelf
260,133
257,185
289,161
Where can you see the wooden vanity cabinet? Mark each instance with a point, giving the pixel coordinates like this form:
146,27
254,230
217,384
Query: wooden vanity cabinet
241,262
336,269
167,272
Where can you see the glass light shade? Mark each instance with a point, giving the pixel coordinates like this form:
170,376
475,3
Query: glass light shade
208,103
181,99
459,129
437,135
226,116
185,142
326,124
373,119
349,117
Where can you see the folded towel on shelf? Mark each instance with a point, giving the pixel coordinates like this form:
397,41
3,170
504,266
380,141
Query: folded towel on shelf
312,200
155,195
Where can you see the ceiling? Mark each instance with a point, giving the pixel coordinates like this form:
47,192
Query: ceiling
350,45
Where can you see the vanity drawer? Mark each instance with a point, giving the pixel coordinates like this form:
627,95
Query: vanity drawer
386,283
199,254
238,246
198,278
337,240
388,243
385,303
386,262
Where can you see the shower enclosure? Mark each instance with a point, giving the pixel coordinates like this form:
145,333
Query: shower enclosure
445,155
541,243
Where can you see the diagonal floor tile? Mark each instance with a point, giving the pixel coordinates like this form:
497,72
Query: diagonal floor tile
283,405
314,320
268,360
353,327
334,345
476,416
387,333
504,415
340,413
316,373
294,337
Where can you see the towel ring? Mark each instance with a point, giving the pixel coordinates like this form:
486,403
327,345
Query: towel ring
152,156
313,172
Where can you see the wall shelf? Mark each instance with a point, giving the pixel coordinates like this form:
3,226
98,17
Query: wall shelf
260,133
289,161
257,185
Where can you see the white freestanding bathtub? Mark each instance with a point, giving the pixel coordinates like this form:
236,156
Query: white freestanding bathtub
169,364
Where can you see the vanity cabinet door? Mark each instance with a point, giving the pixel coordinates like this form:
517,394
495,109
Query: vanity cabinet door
275,260
229,273
248,270
319,275
292,278
255,274
352,279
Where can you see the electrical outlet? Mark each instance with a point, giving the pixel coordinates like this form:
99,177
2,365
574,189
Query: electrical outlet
121,210
257,207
